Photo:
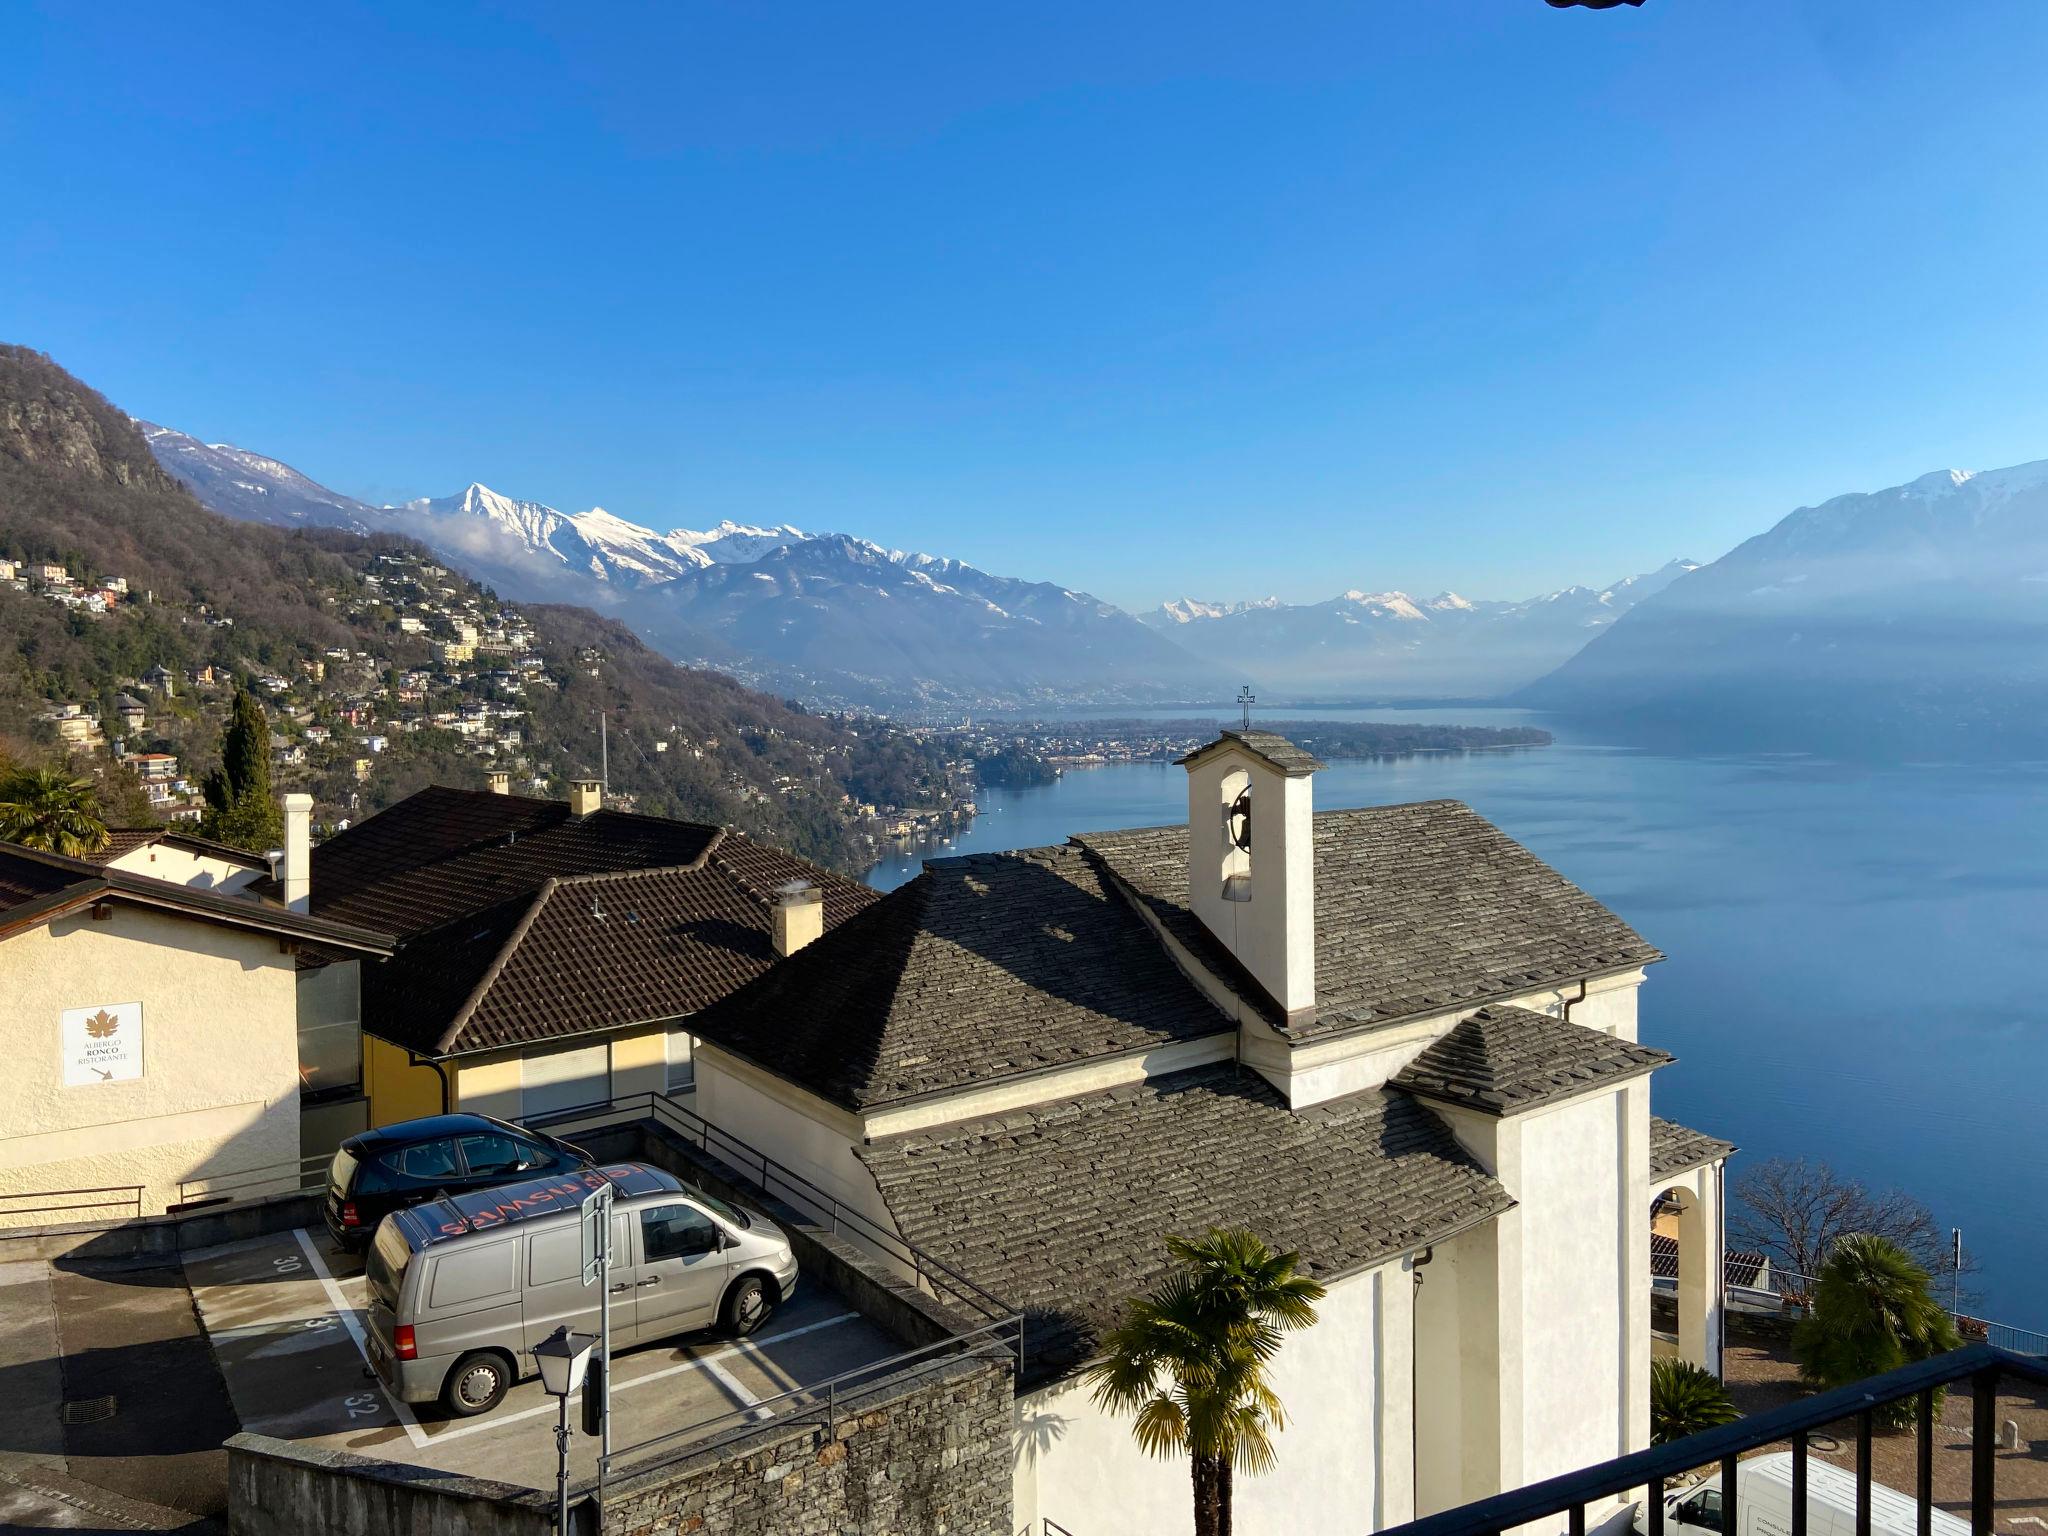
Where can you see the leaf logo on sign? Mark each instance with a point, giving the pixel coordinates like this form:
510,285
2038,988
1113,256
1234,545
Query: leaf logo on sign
101,1025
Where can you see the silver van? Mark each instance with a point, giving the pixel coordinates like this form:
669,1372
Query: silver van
462,1288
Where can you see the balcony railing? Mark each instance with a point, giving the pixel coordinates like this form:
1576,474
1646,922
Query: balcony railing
1786,1290
1981,1366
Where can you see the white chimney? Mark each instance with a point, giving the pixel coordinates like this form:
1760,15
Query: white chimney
501,782
1251,858
298,852
585,796
799,916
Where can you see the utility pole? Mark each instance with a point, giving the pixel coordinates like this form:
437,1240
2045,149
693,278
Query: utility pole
1955,1276
604,749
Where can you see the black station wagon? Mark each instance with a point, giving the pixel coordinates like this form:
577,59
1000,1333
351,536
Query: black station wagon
394,1166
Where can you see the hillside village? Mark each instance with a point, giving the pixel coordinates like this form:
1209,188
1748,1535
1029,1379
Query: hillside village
441,683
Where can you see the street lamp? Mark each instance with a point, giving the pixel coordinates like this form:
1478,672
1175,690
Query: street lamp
562,1357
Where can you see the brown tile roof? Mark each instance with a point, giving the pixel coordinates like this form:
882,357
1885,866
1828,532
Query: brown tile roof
1740,1266
981,968
1504,1060
1674,1149
524,923
125,840
1061,1210
1418,908
38,887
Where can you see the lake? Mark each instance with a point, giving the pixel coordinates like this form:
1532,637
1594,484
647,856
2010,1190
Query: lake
1855,951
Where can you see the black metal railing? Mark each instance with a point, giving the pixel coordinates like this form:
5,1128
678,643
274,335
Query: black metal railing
109,1201
1980,1366
771,1178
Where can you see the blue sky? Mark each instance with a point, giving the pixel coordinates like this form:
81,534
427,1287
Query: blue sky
1143,298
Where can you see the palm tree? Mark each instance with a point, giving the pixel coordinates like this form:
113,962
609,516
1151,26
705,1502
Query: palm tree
1190,1361
1872,1311
48,808
1685,1399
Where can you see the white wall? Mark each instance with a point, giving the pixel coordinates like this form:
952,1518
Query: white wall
1345,1457
789,1126
182,867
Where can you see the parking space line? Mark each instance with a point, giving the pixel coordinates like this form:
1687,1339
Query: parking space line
347,1314
735,1388
704,1362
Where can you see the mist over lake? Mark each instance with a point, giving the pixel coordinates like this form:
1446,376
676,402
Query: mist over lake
1852,972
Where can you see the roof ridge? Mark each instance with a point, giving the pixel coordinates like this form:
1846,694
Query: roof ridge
496,968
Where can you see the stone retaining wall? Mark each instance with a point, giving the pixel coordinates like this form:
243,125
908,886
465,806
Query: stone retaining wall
928,1457
277,1488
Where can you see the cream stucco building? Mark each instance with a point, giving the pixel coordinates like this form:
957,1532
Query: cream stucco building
1390,1039
152,1029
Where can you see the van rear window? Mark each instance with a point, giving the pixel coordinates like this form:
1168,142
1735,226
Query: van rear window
385,1266
339,1170
473,1271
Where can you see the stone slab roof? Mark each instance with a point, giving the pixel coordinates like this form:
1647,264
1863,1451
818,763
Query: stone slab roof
1062,1209
980,969
1419,908
1503,1060
1270,745
522,922
1674,1149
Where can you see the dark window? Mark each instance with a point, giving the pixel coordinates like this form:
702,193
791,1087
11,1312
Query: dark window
677,1232
428,1160
1704,1510
492,1156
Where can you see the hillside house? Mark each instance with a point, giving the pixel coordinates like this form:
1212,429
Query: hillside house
152,1027
1390,1039
551,954
132,712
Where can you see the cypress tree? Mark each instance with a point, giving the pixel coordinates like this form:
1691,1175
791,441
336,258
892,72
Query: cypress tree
239,807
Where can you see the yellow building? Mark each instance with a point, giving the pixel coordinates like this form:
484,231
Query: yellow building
152,1031
550,954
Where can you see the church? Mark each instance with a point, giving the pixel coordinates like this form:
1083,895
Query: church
1389,1039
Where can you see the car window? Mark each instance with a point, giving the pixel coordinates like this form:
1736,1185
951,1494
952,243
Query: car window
427,1160
676,1232
1706,1509
491,1156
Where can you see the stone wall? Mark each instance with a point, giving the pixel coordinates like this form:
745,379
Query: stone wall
279,1488
924,1456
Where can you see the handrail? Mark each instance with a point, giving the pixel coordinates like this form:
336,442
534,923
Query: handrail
130,1196
304,1170
1569,1495
831,1208
1788,1288
692,1438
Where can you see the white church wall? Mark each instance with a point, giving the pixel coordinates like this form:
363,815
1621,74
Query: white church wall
1344,1457
1574,1312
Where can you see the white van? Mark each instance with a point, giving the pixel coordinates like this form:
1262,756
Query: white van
462,1288
1764,1504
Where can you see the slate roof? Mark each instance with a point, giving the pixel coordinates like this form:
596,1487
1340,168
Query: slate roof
38,887
522,922
1271,745
981,968
1674,1149
1419,908
1060,1210
1503,1060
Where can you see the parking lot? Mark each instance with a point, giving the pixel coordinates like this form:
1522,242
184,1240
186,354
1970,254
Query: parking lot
283,1314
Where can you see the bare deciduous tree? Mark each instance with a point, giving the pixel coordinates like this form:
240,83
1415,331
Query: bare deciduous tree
1797,1211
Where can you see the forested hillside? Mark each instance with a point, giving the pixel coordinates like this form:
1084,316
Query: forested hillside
356,646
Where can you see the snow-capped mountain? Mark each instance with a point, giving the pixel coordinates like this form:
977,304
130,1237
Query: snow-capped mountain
826,615
1391,644
249,486
1911,619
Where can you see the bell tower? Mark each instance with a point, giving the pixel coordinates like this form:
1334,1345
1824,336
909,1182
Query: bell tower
1251,858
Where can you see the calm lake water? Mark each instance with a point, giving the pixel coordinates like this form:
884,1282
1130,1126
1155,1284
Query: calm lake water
1855,952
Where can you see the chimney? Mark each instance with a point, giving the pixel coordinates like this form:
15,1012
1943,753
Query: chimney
298,852
501,782
585,796
799,915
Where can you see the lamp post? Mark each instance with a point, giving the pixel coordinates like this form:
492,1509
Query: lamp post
562,1357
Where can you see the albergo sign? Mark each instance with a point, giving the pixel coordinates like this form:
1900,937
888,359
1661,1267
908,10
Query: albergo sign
102,1044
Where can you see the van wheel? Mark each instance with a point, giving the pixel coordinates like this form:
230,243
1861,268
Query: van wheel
747,1306
478,1384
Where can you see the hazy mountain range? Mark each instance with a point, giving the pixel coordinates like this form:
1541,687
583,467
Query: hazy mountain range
1910,621
839,619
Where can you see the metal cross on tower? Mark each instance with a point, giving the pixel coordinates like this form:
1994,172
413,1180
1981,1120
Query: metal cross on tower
1245,700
